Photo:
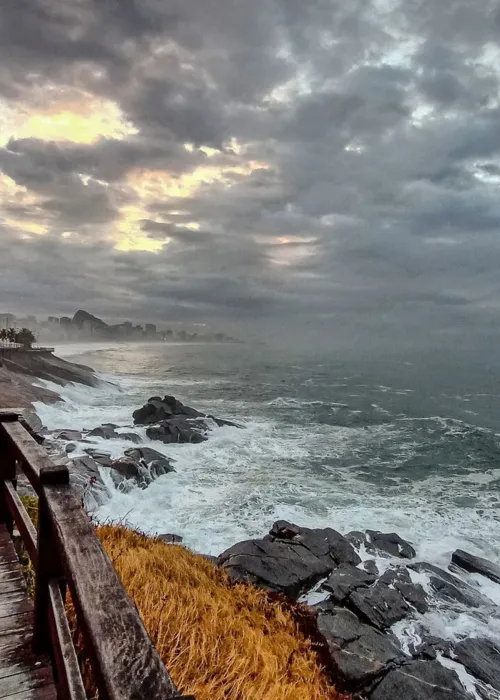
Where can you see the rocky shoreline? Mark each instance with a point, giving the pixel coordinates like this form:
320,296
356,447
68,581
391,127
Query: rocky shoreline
375,611
20,370
370,585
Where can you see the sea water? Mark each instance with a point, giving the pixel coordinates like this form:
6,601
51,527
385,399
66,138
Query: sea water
406,445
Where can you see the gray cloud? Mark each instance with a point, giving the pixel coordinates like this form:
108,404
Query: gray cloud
373,134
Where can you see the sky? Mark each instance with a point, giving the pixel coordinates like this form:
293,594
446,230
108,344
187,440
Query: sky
322,167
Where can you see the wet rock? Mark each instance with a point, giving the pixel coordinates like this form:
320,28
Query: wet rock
371,567
399,578
346,579
177,430
67,435
380,605
70,447
140,472
287,567
86,481
102,458
481,657
357,651
420,680
476,565
388,543
147,454
130,437
284,530
170,539
159,467
451,588
107,432
328,542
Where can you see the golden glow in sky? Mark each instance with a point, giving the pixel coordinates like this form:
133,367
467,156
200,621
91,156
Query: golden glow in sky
81,118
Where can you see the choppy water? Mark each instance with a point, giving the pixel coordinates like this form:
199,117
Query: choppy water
389,446
406,445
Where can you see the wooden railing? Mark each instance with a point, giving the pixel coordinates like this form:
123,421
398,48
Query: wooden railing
66,552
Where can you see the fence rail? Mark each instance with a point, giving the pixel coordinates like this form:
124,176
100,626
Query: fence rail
66,552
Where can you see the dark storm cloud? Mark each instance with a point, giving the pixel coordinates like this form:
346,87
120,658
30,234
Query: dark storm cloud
372,129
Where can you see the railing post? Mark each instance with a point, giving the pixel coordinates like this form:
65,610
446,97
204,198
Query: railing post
49,561
7,473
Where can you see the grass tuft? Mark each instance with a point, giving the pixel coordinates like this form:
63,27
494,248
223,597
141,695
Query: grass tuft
219,640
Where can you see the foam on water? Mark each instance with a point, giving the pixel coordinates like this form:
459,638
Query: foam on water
235,485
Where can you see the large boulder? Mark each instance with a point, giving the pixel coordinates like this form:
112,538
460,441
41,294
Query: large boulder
145,454
285,567
388,543
476,565
481,657
420,680
67,435
139,472
158,409
320,541
358,652
178,429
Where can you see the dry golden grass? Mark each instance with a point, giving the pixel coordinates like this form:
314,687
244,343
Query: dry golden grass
219,640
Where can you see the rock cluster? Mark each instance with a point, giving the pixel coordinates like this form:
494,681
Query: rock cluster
169,420
360,606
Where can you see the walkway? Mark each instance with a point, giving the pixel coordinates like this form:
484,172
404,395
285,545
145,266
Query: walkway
23,676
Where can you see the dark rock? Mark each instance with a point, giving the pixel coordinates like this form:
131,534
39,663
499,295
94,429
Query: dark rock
86,481
67,435
476,565
482,658
380,605
346,579
451,588
32,422
159,467
145,415
126,468
284,530
357,651
70,447
106,432
176,430
130,437
413,593
147,454
221,422
328,542
420,680
371,567
284,566
382,542
103,458
170,539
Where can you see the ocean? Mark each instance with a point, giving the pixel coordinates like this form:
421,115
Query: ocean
388,445
404,445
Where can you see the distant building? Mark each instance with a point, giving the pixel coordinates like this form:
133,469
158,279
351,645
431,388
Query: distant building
7,321
150,329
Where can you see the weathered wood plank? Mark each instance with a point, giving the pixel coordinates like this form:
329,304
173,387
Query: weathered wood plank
8,608
26,680
125,662
34,459
22,520
45,692
69,679
16,623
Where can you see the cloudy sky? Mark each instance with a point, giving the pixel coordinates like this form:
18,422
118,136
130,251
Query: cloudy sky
321,164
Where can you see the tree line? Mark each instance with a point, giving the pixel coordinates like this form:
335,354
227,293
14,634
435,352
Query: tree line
22,336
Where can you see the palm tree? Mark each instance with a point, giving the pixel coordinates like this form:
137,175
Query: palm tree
11,335
25,337
3,334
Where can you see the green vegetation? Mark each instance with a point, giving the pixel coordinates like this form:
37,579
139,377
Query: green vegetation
23,336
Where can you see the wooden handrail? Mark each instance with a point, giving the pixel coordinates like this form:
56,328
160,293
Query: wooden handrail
67,551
